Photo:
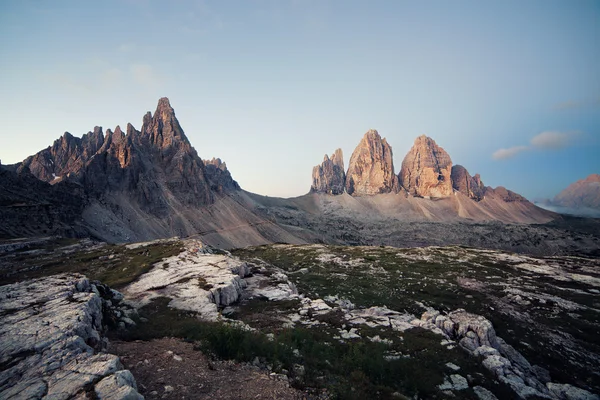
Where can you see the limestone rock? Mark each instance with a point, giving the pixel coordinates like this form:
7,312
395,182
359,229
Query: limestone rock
470,186
371,167
426,170
329,177
570,392
50,332
219,177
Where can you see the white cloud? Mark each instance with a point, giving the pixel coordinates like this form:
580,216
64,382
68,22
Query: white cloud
552,140
503,154
548,140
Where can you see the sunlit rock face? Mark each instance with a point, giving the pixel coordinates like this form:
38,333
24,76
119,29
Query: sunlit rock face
371,167
463,182
426,170
329,177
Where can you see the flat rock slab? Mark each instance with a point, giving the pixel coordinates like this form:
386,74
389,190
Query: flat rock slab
50,331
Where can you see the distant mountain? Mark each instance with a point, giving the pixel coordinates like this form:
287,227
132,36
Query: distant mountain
579,198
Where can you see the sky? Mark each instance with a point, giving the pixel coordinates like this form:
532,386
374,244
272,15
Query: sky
510,89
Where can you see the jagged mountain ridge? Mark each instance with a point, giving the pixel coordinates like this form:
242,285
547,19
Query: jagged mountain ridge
150,165
427,171
151,183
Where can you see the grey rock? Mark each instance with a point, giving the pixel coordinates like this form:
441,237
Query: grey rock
121,385
483,394
50,332
569,392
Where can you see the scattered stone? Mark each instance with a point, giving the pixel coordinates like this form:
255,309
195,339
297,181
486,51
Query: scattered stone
452,366
483,394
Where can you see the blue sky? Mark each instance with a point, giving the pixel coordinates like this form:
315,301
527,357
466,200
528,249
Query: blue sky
510,89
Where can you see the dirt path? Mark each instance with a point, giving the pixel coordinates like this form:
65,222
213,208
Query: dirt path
171,369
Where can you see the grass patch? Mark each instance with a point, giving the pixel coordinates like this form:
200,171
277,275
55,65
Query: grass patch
114,265
353,370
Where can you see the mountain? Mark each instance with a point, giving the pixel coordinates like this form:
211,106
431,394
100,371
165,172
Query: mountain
151,183
371,167
426,170
584,193
329,177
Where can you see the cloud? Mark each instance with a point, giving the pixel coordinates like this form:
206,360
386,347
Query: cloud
503,154
548,140
551,140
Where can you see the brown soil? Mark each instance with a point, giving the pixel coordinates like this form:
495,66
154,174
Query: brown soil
170,368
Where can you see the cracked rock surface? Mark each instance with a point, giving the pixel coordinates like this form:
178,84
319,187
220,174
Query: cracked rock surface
50,342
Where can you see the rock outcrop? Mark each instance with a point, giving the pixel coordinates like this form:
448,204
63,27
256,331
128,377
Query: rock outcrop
426,170
470,186
219,177
584,193
476,334
51,341
371,167
329,177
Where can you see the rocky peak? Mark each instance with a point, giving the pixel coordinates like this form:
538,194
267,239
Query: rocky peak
218,176
162,129
329,177
217,163
426,170
371,167
470,186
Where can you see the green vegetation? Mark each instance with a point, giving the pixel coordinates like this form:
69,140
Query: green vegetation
114,265
456,277
356,369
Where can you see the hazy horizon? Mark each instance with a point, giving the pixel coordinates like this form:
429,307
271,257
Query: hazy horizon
509,90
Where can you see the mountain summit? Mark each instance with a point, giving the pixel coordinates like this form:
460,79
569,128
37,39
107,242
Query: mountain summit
426,170
371,167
